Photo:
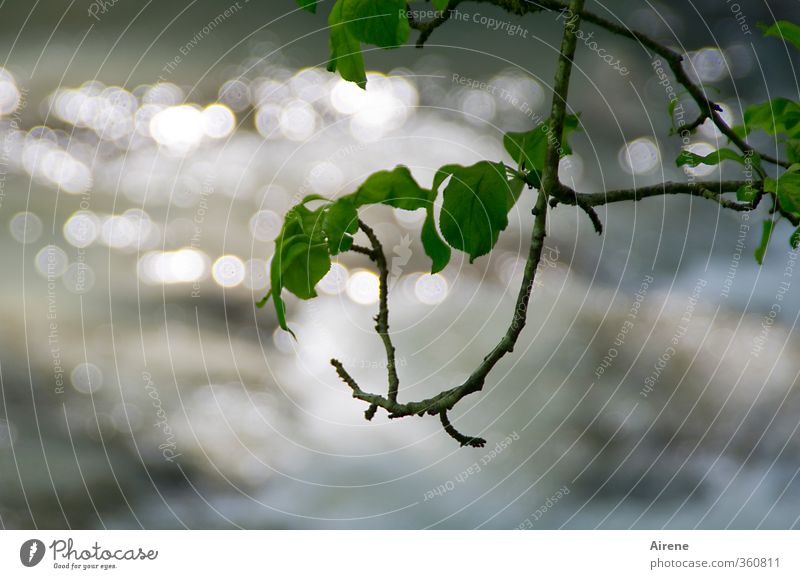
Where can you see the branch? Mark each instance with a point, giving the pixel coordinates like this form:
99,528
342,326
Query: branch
709,190
696,123
445,400
708,109
382,319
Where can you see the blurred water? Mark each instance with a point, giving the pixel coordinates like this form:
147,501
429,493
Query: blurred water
141,386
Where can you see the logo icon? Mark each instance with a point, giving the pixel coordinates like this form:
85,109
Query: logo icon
402,254
32,552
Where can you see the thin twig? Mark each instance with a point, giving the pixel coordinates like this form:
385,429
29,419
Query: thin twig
463,440
581,203
382,319
696,123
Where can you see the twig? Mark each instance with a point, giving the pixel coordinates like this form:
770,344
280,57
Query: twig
463,440
696,123
709,190
382,319
581,203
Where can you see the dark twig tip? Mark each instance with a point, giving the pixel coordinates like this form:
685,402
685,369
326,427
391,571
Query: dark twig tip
463,440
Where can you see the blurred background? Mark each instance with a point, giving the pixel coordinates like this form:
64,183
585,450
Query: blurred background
149,152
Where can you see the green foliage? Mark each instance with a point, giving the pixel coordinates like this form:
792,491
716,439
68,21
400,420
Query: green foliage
475,205
746,193
395,188
346,54
794,239
766,233
785,30
476,199
778,116
380,22
787,189
310,5
434,247
341,224
713,158
528,148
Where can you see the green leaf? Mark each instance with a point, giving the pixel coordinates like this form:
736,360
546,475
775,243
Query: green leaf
778,116
793,151
275,290
515,186
442,174
434,247
440,4
766,233
784,30
303,229
528,149
310,5
379,22
312,197
396,188
787,188
794,240
346,54
746,193
300,219
302,267
713,158
341,223
475,206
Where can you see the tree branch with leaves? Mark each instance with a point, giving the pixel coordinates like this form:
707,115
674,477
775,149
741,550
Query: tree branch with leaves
477,199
